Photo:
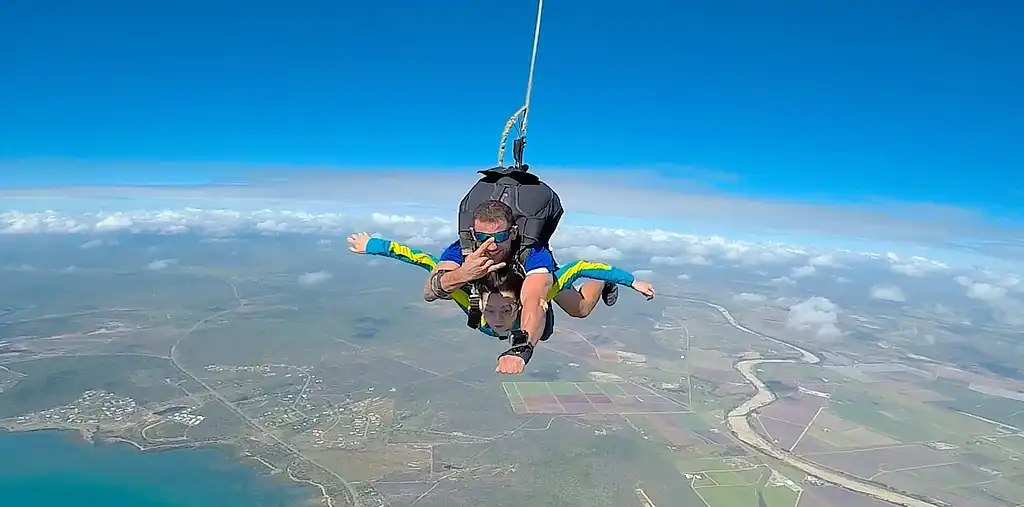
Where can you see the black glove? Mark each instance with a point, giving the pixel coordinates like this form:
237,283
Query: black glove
521,347
518,337
524,352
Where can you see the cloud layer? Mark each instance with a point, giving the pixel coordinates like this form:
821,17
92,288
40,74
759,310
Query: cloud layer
604,223
659,247
625,199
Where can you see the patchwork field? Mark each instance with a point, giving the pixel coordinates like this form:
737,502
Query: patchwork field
681,429
900,439
874,462
786,421
587,398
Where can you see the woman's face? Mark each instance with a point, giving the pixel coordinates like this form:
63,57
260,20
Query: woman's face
501,311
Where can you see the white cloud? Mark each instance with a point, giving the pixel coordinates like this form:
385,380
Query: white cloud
419,241
996,294
114,223
645,275
784,280
314,277
668,260
1010,281
802,271
746,297
888,293
161,264
683,277
985,291
824,260
785,302
915,266
589,252
382,219
817,315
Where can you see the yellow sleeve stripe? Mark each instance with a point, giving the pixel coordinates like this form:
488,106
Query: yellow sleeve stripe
568,274
418,258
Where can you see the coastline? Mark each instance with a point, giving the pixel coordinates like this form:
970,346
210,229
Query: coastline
328,499
229,451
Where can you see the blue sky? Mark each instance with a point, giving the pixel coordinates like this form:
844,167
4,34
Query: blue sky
802,99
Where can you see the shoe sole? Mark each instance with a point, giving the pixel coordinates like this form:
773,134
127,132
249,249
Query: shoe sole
610,294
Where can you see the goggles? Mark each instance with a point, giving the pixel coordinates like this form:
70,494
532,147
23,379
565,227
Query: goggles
499,237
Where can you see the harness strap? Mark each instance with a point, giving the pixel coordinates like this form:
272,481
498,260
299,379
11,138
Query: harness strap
474,315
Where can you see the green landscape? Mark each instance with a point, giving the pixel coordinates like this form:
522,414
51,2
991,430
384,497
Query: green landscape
344,387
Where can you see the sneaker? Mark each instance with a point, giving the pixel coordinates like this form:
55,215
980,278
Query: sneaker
610,293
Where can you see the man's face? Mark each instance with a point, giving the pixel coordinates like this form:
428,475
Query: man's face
499,250
500,311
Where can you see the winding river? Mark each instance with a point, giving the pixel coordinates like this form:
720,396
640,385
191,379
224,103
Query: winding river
738,420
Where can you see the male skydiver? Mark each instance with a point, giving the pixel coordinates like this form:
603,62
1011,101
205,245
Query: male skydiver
501,306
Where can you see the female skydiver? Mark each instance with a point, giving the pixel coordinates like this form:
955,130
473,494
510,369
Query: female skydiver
501,307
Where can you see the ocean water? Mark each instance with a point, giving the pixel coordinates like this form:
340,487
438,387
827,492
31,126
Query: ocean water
58,469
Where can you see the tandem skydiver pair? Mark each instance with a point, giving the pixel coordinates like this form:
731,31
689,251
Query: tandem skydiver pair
500,308
501,271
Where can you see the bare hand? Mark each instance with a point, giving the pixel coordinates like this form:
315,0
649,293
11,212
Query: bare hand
357,242
510,365
477,265
644,288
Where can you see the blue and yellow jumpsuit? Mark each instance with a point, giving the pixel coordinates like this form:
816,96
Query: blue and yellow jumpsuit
565,276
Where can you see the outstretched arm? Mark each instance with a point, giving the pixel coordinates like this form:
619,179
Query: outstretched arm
568,274
398,251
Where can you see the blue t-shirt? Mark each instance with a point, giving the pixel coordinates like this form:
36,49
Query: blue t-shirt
538,260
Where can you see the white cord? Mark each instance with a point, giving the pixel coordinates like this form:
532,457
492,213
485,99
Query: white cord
533,64
524,111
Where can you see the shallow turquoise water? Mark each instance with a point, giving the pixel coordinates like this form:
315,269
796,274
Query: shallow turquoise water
54,469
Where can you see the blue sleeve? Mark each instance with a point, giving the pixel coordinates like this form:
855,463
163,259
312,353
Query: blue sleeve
568,274
540,258
398,251
452,254
378,246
